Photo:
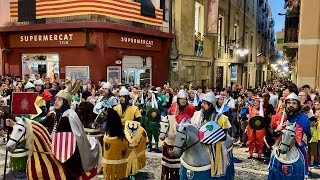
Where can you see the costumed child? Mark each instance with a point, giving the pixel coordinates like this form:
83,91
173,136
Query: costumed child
40,104
312,144
19,157
46,95
194,99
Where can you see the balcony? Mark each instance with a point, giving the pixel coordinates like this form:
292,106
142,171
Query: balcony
292,24
262,59
118,11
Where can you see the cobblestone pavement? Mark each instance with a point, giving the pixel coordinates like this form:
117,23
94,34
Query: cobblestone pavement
246,169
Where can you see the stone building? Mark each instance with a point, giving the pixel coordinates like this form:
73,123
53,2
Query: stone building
236,41
114,40
193,48
302,41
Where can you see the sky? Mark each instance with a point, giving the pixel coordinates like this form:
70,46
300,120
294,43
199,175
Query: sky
277,7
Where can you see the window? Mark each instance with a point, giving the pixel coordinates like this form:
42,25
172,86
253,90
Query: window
78,72
235,31
251,45
41,64
198,27
220,24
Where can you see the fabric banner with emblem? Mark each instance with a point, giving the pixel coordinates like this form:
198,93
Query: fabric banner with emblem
23,103
211,133
63,145
300,136
131,131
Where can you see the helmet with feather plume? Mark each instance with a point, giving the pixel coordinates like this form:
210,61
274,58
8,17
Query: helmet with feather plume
69,90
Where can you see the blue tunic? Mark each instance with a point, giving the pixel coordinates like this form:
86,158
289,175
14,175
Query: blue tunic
299,168
202,175
282,171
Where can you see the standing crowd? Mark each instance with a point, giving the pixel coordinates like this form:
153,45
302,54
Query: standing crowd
255,115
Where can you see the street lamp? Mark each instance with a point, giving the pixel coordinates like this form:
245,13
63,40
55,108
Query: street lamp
242,52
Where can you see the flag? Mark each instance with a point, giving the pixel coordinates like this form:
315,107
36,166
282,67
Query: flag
23,103
63,145
211,133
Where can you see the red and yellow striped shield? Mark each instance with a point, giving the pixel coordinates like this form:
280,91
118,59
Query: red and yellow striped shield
63,145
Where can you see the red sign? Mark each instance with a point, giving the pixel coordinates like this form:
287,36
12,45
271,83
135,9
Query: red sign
133,42
24,103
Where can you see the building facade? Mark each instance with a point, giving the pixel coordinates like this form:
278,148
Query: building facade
302,41
307,40
236,41
265,42
193,49
113,40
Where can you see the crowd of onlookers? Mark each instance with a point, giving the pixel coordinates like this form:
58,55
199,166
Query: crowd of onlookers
236,98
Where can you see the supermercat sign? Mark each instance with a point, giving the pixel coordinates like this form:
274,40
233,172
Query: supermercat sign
127,41
62,39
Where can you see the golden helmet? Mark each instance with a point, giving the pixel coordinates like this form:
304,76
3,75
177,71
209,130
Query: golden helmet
69,90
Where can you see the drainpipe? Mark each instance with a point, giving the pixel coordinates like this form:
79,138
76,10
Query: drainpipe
170,43
229,11
244,33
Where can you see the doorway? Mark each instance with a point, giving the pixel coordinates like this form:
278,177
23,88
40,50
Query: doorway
136,70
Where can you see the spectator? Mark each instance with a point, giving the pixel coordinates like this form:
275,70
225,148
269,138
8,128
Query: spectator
312,145
92,98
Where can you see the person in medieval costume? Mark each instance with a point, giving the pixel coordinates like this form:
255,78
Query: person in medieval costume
46,95
152,120
64,119
291,115
139,99
19,157
194,99
125,109
182,109
223,108
256,137
40,104
130,118
107,89
222,166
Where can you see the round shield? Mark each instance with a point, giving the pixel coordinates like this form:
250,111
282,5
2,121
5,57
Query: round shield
154,114
257,122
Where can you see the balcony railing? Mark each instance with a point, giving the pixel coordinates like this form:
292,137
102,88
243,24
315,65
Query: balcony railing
292,22
120,11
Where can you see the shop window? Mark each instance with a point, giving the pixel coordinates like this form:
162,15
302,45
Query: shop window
136,70
78,72
43,64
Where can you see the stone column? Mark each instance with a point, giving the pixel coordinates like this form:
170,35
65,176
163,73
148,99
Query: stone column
309,44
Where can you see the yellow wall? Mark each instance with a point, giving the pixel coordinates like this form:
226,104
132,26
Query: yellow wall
308,66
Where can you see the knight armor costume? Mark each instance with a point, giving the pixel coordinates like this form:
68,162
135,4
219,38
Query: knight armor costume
278,168
112,100
213,127
183,113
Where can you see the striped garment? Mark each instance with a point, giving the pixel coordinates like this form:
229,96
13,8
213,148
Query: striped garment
42,164
170,165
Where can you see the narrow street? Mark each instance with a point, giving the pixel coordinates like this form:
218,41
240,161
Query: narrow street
245,169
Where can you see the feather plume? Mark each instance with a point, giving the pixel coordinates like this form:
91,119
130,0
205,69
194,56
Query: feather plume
76,87
68,85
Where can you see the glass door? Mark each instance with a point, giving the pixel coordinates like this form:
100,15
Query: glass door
137,76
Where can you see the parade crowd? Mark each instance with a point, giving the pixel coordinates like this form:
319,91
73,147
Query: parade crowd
254,119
